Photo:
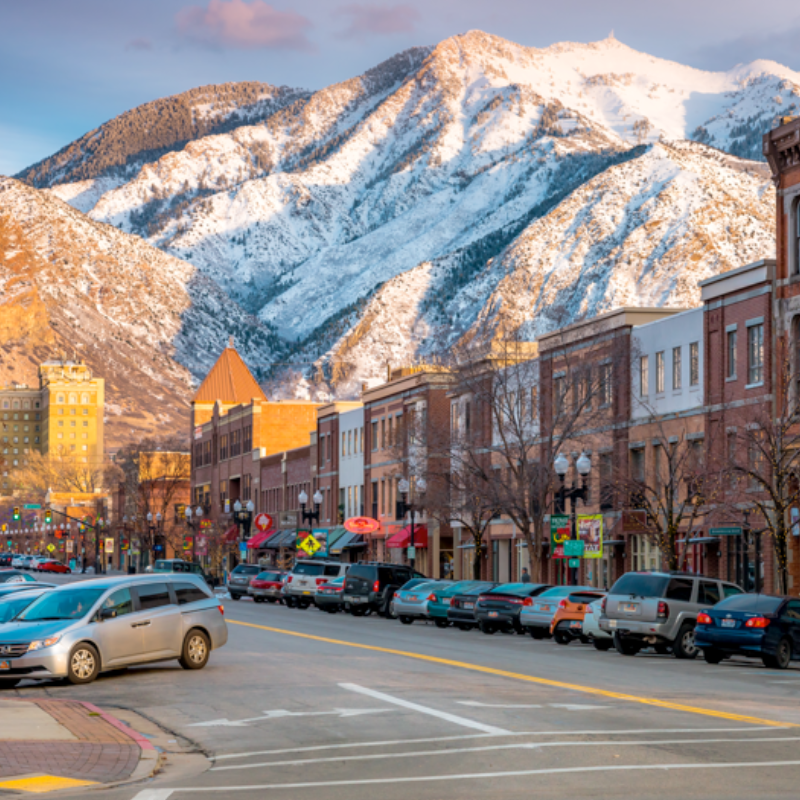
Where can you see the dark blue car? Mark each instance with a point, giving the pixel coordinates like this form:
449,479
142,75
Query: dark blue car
759,625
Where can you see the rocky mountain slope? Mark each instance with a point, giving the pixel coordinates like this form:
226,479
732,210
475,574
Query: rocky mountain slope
469,184
148,323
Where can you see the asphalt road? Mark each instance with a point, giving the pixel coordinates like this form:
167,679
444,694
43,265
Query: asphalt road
302,704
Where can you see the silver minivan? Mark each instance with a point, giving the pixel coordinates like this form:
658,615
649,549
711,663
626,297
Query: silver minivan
82,629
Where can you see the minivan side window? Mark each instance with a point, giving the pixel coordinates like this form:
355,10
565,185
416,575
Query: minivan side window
188,593
153,595
680,589
120,601
709,593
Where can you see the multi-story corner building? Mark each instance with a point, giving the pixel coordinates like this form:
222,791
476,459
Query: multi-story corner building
64,414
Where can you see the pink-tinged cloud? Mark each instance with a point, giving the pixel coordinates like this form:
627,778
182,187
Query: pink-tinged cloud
239,24
139,44
377,20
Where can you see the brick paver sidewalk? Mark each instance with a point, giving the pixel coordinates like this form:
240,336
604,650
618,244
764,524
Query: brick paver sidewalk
106,751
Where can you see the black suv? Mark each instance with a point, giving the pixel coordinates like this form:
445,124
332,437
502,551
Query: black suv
370,587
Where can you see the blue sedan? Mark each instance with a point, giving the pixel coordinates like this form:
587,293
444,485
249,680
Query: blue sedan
760,625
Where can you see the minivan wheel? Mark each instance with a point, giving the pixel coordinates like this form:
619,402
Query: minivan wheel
684,646
626,647
196,650
83,665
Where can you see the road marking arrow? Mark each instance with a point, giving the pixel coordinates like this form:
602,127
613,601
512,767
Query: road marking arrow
279,713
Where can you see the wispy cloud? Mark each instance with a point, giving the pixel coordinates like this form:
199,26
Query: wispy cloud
364,21
780,46
139,44
239,24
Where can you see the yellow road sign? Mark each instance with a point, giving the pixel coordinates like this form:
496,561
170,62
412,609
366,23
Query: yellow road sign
310,545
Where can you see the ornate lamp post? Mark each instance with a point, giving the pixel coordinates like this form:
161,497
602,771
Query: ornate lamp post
404,507
574,493
194,526
154,529
309,516
244,516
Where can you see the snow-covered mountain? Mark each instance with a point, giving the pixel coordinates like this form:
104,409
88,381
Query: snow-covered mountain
462,185
148,323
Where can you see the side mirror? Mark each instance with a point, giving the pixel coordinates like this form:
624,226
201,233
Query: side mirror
107,613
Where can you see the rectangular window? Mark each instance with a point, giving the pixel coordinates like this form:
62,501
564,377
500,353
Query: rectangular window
374,442
644,376
606,473
467,418
247,436
605,385
676,368
660,372
454,417
383,433
559,393
637,464
755,354
731,371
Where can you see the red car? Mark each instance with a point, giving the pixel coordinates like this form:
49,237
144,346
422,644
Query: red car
267,585
53,566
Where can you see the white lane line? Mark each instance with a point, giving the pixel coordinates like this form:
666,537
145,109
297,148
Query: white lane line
431,739
432,712
575,706
280,713
478,704
513,746
155,794
489,775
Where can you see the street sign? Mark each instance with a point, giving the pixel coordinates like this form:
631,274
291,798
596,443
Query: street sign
263,522
243,549
574,563
573,548
51,547
70,545
560,532
310,545
731,530
31,506
109,545
412,552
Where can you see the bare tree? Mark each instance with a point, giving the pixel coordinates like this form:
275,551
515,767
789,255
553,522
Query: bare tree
62,471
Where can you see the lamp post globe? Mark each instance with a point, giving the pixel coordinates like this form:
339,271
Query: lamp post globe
198,512
318,497
237,506
583,465
561,465
302,498
188,512
402,486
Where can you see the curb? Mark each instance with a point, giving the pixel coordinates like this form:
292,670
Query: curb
143,742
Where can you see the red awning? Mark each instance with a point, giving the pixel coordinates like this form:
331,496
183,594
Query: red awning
403,537
259,539
231,535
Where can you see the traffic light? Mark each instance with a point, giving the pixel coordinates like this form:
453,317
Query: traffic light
48,517
16,514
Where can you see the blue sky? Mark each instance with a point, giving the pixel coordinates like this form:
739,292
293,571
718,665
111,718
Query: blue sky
69,65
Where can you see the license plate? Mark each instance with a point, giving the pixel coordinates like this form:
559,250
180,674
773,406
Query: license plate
492,613
630,607
544,608
357,600
469,605
729,623
5,665
612,623
411,597
575,624
306,592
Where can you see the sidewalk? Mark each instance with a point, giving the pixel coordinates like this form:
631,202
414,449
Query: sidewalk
47,745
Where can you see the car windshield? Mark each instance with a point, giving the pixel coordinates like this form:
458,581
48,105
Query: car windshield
269,576
66,604
410,584
754,603
641,584
12,605
309,569
583,597
513,588
562,591
480,588
246,569
423,587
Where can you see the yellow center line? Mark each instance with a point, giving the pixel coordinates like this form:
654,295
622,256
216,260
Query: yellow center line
631,698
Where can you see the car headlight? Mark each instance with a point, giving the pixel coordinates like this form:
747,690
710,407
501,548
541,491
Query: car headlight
40,644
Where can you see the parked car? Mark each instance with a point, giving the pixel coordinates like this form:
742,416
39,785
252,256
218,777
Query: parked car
16,561
179,565
309,573
371,587
267,586
591,627
411,604
26,562
499,608
16,602
407,585
537,616
567,622
77,631
660,609
760,625
461,612
329,595
239,579
14,576
5,559
7,589
439,600
51,565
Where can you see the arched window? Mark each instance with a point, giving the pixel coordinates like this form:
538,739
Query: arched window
73,398
85,399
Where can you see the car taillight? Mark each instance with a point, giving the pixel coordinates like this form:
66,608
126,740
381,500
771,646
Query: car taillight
452,602
528,601
376,587
338,588
703,619
482,598
320,581
432,598
289,579
221,609
603,606
563,604
663,609
757,622
396,594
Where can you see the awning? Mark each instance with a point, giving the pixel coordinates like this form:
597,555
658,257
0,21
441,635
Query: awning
259,539
282,539
348,540
334,534
403,538
231,535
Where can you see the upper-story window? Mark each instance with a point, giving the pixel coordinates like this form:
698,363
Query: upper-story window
223,447
676,368
59,398
731,365
73,398
247,439
605,385
660,372
694,363
16,404
755,354
644,376
85,399
26,403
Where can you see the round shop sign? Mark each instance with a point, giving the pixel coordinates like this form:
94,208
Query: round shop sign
51,547
263,522
362,525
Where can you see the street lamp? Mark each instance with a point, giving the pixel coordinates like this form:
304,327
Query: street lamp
244,516
310,516
191,525
404,507
155,530
574,493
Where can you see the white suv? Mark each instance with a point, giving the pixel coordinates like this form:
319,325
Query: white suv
301,583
